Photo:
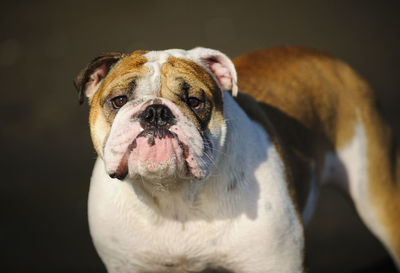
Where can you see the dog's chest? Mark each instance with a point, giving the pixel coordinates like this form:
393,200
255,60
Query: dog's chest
167,249
129,242
166,246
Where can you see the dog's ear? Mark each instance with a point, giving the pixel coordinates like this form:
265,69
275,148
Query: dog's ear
220,66
89,79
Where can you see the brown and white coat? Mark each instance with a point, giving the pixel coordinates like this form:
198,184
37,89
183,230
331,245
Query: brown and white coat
213,182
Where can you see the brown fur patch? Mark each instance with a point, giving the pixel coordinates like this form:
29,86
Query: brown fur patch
180,79
195,75
314,102
100,125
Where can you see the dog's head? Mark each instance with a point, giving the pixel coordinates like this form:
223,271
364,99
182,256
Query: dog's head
158,115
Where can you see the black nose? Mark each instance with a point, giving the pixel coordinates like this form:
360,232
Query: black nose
156,115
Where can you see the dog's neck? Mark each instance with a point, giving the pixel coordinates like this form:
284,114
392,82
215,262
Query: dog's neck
206,199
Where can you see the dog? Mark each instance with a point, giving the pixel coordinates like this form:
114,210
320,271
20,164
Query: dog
194,176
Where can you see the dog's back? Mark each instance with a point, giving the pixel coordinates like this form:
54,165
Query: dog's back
328,125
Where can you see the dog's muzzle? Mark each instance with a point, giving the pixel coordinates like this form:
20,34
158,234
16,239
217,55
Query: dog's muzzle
154,140
155,120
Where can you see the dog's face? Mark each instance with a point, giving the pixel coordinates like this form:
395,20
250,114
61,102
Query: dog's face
158,116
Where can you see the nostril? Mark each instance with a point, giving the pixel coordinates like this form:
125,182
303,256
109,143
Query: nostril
149,115
165,114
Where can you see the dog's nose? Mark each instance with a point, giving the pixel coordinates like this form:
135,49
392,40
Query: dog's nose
156,115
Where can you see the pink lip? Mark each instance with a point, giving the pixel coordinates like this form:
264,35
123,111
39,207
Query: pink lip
158,145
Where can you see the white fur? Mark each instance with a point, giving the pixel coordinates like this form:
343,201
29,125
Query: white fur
242,218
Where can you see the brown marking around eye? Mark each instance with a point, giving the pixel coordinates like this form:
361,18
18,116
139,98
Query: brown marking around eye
182,79
193,74
118,76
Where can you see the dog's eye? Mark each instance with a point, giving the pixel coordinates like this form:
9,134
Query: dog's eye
195,103
119,101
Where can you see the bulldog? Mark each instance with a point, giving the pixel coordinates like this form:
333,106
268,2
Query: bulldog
193,176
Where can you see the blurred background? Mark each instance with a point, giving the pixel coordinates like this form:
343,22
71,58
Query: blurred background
46,152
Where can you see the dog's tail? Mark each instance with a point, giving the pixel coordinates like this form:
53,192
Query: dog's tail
380,197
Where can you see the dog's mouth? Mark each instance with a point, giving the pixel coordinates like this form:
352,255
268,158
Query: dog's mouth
156,150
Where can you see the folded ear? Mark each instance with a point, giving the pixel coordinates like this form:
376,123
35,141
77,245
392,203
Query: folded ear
220,66
89,79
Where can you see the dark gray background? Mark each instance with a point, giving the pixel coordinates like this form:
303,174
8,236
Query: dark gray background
46,153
